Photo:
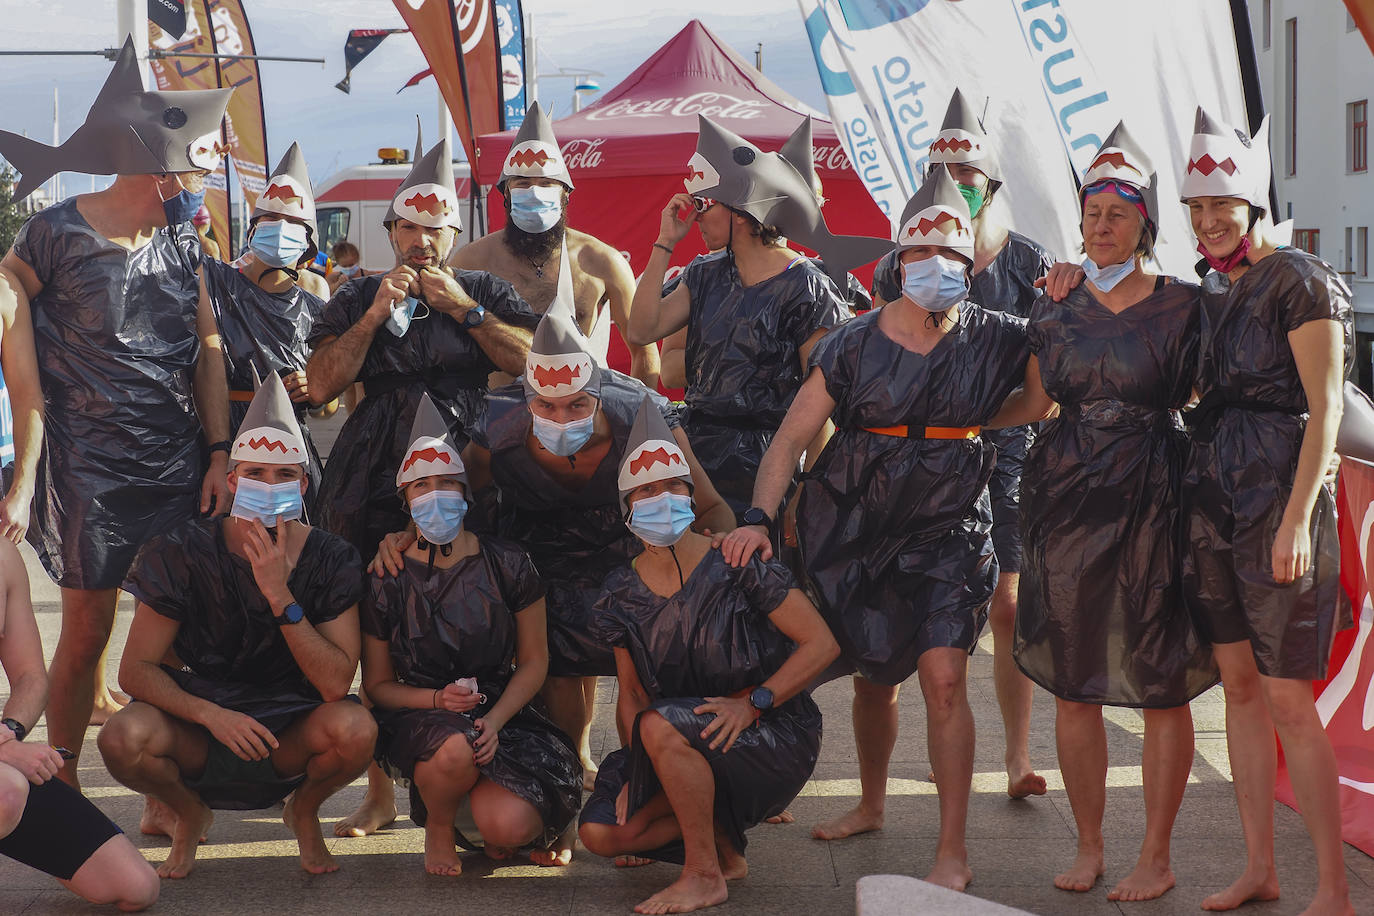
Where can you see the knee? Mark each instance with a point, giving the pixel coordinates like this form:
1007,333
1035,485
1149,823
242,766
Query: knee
1291,706
140,889
453,758
349,728
1242,688
656,733
943,687
506,828
599,839
14,795
124,737
874,695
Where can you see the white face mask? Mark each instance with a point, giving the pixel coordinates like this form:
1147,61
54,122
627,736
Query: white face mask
1106,278
936,283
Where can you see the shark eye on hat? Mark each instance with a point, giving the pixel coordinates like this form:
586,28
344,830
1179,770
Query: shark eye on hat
742,155
174,117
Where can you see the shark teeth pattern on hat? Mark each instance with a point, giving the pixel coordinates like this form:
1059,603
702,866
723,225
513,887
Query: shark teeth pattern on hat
701,175
535,152
431,452
651,453
1225,162
1121,159
962,139
559,362
937,214
288,191
269,433
428,195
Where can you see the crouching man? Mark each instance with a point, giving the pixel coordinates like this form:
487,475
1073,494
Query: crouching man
259,613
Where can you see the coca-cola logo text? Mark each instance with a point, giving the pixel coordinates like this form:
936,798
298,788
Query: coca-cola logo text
829,157
711,104
582,154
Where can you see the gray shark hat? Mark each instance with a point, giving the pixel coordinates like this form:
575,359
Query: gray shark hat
963,139
428,196
128,131
560,361
535,152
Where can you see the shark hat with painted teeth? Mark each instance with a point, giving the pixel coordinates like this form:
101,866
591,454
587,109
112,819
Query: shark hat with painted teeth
962,139
128,131
937,214
1120,161
651,453
535,152
431,452
269,433
428,195
560,362
288,194
1225,162
775,191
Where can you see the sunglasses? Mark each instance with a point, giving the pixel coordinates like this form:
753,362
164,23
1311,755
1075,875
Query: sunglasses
703,204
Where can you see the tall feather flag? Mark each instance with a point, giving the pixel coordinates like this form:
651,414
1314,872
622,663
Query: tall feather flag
360,43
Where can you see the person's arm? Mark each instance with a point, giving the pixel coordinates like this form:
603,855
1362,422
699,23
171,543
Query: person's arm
809,412
620,292
818,442
531,667
1318,352
313,283
337,360
713,512
19,361
327,654
631,697
1027,404
505,345
210,389
21,656
654,316
799,621
672,366
21,269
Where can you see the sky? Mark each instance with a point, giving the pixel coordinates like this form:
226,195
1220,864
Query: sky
337,130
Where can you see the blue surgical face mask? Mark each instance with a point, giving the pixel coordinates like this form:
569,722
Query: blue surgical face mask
267,501
349,271
439,515
935,284
563,438
402,314
1105,278
661,520
536,209
279,243
183,206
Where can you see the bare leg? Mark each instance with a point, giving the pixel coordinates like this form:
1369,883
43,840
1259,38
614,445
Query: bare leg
87,618
332,746
650,827
443,781
566,698
116,873
378,809
949,736
107,702
1082,744
151,752
584,745
1253,755
1014,691
1312,766
875,735
1167,762
508,822
690,789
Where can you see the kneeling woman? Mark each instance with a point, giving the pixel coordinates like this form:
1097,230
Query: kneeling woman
720,734
465,610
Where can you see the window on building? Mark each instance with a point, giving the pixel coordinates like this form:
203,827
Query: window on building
1357,136
1309,240
1349,251
1266,30
1362,252
1290,108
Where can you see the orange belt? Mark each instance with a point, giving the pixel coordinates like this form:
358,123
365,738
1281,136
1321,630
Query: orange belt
240,395
927,432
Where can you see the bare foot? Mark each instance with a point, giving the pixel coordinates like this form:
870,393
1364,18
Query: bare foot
441,856
1082,874
733,865
315,857
589,772
372,815
784,818
951,872
628,861
186,834
106,705
1253,885
1325,904
1148,881
1028,783
859,820
691,891
553,857
158,819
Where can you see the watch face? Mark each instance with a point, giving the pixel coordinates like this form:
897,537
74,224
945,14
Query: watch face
761,698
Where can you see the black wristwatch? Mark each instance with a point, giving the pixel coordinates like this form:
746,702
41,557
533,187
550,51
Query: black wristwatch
223,445
756,516
761,698
475,316
292,613
15,726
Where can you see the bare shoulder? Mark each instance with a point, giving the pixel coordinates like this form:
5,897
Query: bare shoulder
592,255
479,253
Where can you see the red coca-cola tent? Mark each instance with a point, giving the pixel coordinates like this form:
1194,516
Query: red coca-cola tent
628,152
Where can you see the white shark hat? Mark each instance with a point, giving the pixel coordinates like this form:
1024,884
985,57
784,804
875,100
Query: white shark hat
1225,162
428,195
651,453
535,152
431,452
937,214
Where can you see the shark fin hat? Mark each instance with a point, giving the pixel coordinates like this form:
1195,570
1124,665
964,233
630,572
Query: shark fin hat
269,433
560,361
1225,162
431,451
288,193
937,214
129,130
963,139
428,196
535,152
1120,159
769,187
651,453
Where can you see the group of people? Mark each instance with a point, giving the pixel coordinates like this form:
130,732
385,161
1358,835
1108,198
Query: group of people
837,495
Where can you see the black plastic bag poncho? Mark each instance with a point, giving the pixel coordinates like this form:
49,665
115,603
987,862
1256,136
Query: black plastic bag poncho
743,368
115,332
1101,617
575,537
263,333
358,498
446,624
712,638
1246,434
232,649
1006,284
895,533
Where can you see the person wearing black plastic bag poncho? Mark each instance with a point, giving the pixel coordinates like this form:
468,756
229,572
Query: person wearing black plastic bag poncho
894,521
1262,558
454,652
263,313
753,315
1101,619
712,661
423,328
1006,266
264,622
128,359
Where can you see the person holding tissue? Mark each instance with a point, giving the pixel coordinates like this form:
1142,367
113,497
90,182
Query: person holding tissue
423,328
454,654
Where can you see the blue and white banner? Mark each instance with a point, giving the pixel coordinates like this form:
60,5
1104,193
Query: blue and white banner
510,35
1056,76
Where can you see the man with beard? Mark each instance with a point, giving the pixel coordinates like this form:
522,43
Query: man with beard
541,255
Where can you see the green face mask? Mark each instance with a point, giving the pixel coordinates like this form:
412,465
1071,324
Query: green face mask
975,197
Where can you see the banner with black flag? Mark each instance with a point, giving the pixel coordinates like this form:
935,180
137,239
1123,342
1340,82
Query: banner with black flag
360,43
